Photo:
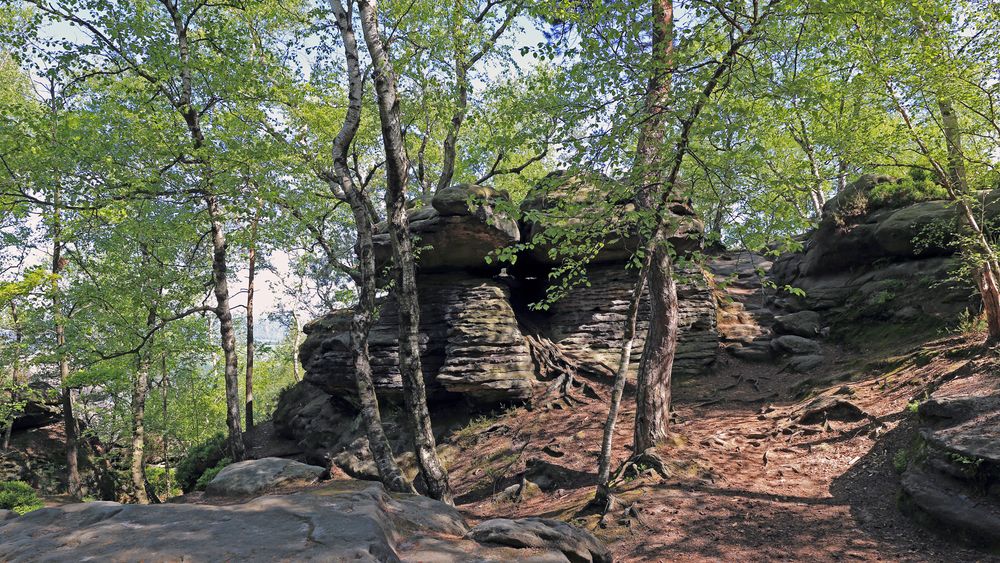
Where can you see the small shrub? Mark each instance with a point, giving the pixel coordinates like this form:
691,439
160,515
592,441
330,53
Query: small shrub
198,460
900,461
970,323
210,474
19,497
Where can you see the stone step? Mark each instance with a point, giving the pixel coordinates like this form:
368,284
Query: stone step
950,505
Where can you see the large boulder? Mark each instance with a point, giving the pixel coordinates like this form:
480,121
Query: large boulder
799,323
345,521
256,476
795,345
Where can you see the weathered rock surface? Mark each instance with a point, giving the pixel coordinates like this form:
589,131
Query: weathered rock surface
799,323
589,322
542,533
470,343
795,345
353,521
451,235
955,482
886,262
257,476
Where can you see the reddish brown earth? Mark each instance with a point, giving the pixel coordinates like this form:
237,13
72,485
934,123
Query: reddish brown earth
748,483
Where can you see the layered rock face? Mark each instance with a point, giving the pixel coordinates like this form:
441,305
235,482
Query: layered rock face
890,262
470,343
475,313
590,320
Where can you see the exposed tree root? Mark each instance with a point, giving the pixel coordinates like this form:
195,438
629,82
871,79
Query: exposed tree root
639,465
562,368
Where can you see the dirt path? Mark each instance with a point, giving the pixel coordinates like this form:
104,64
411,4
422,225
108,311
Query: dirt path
750,482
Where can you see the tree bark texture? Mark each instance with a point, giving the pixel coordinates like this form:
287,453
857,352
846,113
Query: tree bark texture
396,169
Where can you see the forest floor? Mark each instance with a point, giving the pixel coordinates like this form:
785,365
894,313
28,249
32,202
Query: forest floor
750,481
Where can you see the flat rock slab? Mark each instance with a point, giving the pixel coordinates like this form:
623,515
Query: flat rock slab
951,506
256,476
344,521
543,533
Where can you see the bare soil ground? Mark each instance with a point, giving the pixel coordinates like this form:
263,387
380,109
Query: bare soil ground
749,482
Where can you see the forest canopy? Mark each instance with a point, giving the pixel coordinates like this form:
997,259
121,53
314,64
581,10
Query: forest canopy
164,162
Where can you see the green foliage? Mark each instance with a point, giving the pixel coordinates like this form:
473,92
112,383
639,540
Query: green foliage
210,474
970,322
19,497
199,460
913,188
164,483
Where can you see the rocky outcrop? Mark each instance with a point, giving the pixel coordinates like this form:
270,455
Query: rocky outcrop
344,521
456,230
475,316
470,343
888,260
952,478
590,320
37,453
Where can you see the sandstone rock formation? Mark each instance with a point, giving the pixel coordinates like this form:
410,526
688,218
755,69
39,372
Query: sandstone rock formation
952,476
872,260
346,520
476,320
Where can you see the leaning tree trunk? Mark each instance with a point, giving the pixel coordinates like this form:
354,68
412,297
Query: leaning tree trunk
237,450
71,426
396,170
618,388
987,267
364,313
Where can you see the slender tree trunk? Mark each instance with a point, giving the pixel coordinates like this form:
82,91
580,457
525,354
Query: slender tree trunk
164,386
618,388
248,387
223,311
16,378
72,429
364,312
296,342
841,175
987,268
396,169
137,465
